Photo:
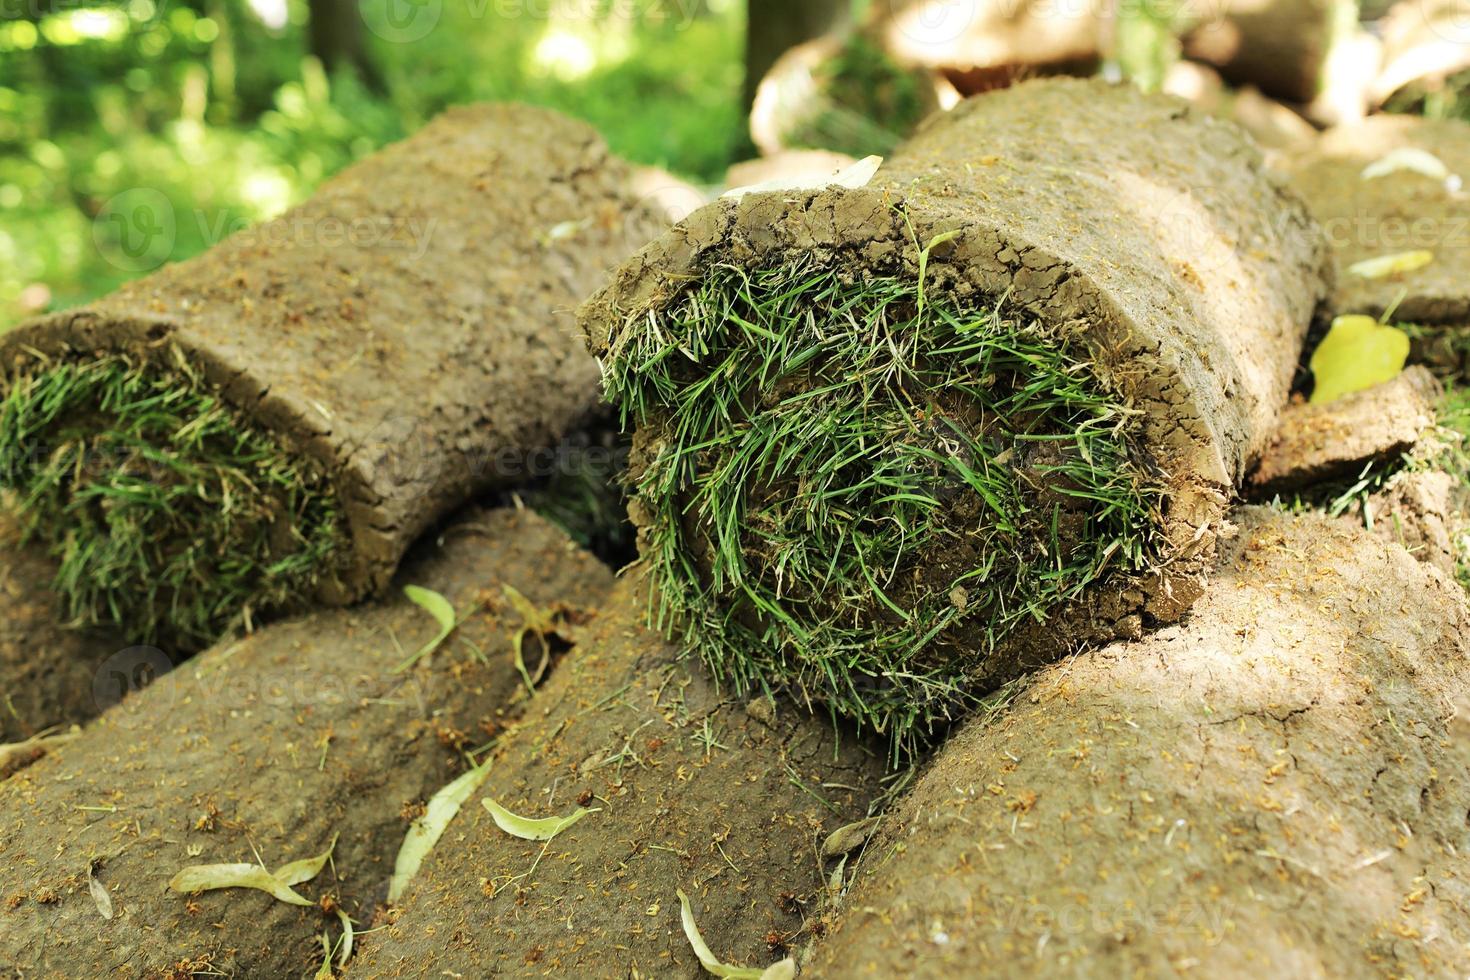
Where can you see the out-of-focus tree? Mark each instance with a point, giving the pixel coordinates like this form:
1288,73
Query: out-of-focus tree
773,26
335,36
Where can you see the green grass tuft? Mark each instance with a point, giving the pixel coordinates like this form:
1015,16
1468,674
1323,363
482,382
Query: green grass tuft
856,493
868,103
170,513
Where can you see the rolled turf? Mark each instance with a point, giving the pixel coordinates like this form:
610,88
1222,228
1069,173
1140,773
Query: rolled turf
1403,211
272,423
1283,47
897,444
48,674
1276,787
266,750
729,802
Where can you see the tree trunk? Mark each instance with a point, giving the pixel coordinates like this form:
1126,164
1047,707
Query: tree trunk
335,36
773,26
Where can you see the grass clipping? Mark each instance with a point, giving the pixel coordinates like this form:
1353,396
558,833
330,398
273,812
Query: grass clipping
168,510
853,491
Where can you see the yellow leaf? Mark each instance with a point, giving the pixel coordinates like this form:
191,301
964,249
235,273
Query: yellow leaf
1357,353
1381,266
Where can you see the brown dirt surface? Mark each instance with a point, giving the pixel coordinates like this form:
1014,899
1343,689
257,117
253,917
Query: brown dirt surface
1276,786
270,746
1329,441
1428,513
409,327
728,801
1184,268
47,672
1401,212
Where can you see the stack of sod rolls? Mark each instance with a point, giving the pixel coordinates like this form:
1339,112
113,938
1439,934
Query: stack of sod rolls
735,804
272,423
304,738
1275,788
898,443
1389,196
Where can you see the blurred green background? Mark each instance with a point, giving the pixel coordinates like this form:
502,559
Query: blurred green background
222,107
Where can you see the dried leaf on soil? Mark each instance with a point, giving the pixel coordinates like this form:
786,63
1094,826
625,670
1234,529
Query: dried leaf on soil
100,896
857,175
778,971
527,829
1407,158
209,877
427,829
437,606
1383,266
12,752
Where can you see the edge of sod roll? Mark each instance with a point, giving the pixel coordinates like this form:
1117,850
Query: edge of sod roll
360,366
173,482
903,474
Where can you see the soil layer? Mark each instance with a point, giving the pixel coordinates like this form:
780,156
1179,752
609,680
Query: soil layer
266,750
47,672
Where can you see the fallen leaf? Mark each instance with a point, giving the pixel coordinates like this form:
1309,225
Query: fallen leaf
707,959
857,175
541,623
307,868
1407,158
100,896
1357,353
437,606
210,877
845,839
37,745
425,832
527,829
1381,266
347,935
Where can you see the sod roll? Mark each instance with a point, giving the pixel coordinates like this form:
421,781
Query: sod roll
983,43
732,803
1275,788
897,443
266,751
1283,47
49,675
272,423
1406,210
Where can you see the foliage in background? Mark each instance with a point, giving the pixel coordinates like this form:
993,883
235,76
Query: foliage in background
215,107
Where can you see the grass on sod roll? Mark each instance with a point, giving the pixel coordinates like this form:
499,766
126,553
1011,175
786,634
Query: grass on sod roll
169,511
854,492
